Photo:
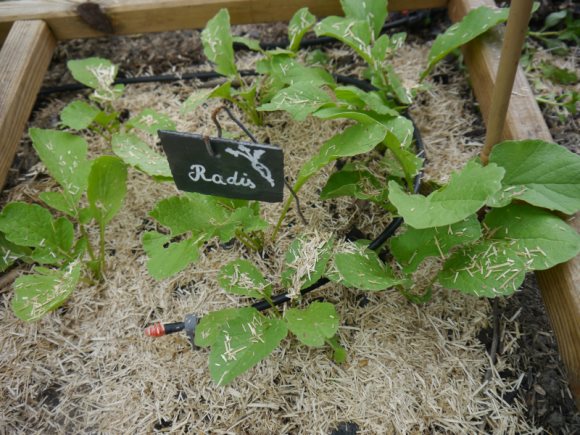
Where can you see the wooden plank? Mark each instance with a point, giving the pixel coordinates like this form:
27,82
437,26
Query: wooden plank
560,285
24,59
147,16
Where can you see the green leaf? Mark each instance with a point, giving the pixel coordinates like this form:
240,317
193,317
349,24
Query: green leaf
554,18
300,23
241,277
540,173
65,158
413,246
242,342
395,83
58,201
313,325
107,188
372,11
466,192
475,23
299,100
33,226
557,75
138,154
218,43
199,97
338,352
306,261
10,252
352,181
252,44
78,115
361,100
357,139
363,269
167,258
355,33
205,215
150,121
43,291
490,268
93,72
538,236
210,326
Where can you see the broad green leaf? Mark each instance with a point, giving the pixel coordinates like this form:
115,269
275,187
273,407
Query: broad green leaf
352,181
361,100
540,173
33,226
150,121
218,44
211,325
466,192
300,23
357,139
10,252
374,12
413,246
355,33
299,100
409,162
65,158
138,154
490,268
93,72
205,215
78,115
58,201
107,188
541,238
475,23
199,97
241,277
398,130
43,291
314,324
182,214
364,270
306,261
242,343
167,258
252,44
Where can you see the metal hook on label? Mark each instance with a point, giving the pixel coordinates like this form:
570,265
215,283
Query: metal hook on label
208,147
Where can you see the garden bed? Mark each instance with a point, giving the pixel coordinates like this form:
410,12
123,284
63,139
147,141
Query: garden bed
411,369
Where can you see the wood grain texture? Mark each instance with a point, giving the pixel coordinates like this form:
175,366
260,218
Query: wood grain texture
24,59
560,286
146,16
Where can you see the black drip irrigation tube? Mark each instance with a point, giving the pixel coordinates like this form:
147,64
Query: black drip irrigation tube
191,320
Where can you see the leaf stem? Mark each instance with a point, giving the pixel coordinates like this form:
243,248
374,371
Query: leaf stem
102,265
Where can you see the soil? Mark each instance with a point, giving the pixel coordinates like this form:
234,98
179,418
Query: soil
543,389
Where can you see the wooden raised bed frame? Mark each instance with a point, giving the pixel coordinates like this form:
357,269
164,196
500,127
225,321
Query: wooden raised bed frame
30,30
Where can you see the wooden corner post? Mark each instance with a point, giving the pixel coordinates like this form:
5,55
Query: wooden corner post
24,59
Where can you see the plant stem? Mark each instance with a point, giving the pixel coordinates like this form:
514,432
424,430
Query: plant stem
287,206
90,249
247,241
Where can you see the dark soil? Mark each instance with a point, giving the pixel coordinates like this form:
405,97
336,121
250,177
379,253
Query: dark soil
544,388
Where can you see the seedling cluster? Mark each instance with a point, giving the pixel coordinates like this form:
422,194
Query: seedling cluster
487,227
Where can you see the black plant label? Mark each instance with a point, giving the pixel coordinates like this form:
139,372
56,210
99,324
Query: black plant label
224,167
